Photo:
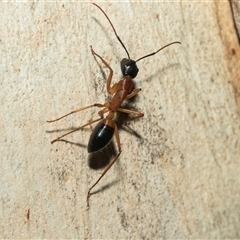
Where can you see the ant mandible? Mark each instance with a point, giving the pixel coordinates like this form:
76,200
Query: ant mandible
103,132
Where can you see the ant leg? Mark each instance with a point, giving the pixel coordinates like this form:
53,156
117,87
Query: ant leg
113,89
116,134
133,93
79,128
138,114
77,110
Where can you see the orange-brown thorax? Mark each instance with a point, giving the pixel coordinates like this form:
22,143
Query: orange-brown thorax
123,88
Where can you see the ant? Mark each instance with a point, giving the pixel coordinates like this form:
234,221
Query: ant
103,132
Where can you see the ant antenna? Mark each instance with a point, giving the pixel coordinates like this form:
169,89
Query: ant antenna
148,55
151,54
113,29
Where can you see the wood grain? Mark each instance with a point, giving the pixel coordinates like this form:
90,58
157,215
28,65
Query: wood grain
178,175
236,15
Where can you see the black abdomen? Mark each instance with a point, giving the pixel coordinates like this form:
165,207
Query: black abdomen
100,137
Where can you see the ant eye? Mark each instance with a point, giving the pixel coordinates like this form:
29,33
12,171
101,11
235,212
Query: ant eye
129,67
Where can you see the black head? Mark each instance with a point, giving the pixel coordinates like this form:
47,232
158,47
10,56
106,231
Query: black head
129,67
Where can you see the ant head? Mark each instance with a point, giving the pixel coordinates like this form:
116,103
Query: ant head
129,67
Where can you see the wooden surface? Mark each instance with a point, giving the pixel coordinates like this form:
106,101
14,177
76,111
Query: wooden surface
178,175
235,4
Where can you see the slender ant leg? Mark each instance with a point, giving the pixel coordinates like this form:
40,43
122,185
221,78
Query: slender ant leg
77,110
75,130
133,93
113,89
78,128
139,114
116,134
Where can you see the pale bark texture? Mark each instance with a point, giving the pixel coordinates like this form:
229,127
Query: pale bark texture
235,4
179,172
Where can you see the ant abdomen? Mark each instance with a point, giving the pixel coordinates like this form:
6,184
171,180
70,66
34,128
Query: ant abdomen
100,137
